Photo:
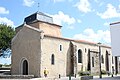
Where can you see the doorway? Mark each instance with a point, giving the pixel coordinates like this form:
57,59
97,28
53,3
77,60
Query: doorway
25,67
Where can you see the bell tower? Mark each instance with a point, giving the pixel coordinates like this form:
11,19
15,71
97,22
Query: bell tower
43,22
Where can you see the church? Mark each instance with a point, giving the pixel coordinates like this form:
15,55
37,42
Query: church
39,44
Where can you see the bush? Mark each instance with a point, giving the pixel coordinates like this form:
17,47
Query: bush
107,72
104,72
0,65
83,73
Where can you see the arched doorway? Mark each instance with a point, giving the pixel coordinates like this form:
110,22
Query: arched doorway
107,61
25,67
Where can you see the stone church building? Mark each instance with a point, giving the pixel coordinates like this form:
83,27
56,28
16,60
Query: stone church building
38,44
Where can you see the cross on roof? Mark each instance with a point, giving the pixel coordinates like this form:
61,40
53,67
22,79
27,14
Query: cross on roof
38,6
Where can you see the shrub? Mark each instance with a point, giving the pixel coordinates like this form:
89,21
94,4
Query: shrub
0,65
107,72
103,72
83,73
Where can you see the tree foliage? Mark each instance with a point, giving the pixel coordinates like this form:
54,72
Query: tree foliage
6,35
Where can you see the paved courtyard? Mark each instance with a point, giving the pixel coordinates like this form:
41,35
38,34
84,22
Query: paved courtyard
104,77
67,78
108,78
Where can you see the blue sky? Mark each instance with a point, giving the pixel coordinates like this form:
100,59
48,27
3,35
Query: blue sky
81,19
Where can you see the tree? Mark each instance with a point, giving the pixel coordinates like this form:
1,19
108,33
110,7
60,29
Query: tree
6,35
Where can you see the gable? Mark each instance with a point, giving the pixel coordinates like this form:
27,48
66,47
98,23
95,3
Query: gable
27,31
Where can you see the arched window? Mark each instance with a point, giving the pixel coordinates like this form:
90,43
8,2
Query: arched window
112,60
60,47
102,59
92,61
52,59
85,50
79,56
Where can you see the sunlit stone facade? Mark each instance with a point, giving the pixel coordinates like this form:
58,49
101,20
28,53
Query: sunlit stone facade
39,44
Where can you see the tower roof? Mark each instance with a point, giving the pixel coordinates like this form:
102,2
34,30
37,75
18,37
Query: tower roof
38,16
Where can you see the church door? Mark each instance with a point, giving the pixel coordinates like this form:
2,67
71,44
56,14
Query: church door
25,67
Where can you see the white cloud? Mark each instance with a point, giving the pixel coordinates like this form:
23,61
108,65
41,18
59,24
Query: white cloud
5,60
106,24
90,35
71,27
28,3
4,20
96,1
63,18
59,0
79,21
3,11
119,7
83,6
70,0
111,12
101,4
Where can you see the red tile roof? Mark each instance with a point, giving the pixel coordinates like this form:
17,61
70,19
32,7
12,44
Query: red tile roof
79,41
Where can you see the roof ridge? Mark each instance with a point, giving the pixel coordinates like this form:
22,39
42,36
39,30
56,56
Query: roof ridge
82,41
32,27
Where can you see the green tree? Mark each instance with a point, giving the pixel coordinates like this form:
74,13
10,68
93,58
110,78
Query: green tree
6,35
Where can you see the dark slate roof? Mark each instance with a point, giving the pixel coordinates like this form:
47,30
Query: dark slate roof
38,16
114,23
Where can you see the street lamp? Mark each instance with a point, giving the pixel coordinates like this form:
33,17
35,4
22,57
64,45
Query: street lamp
99,45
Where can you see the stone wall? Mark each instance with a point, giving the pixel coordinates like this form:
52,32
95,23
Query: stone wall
28,45
51,46
49,29
25,46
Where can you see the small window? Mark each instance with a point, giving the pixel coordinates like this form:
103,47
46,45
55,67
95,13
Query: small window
102,59
60,47
85,50
52,59
79,56
92,61
112,60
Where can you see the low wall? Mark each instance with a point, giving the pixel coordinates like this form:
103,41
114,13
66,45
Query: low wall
45,79
16,76
86,77
5,70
